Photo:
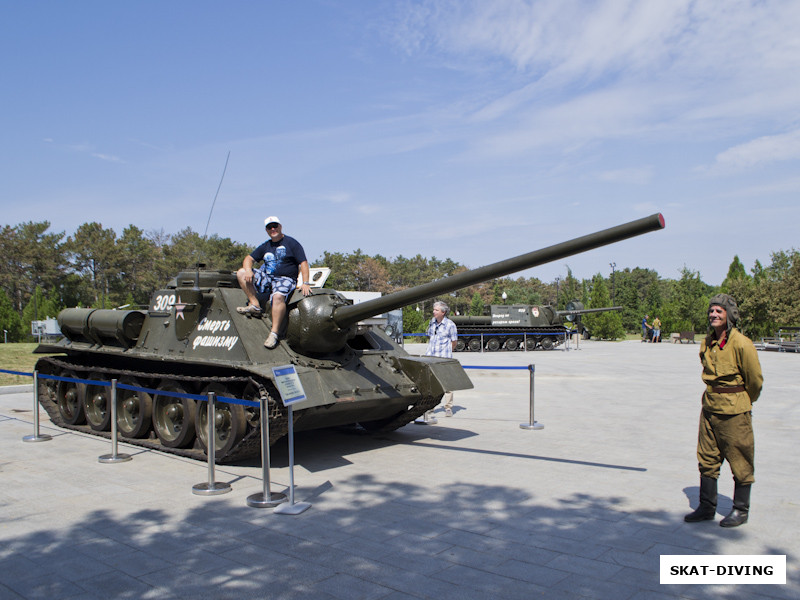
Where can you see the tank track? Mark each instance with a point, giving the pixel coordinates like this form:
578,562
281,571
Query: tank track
470,331
248,447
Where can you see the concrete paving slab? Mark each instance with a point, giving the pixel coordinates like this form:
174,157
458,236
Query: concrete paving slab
469,508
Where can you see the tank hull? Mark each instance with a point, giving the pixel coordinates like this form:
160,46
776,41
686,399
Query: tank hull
522,326
193,340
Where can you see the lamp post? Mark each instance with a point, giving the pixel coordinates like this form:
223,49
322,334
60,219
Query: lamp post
557,280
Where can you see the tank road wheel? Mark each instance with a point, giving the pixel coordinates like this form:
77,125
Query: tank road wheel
512,344
174,418
134,410
230,423
475,344
69,397
460,345
493,345
277,418
97,404
530,343
548,343
251,413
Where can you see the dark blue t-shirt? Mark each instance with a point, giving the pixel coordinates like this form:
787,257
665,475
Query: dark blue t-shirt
281,259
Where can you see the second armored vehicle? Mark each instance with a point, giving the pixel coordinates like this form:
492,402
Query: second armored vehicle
522,326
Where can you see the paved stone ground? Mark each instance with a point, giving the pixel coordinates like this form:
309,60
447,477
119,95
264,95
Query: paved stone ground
473,507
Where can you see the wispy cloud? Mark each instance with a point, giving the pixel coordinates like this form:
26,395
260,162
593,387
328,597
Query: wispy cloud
107,157
633,175
337,197
785,186
86,148
764,150
587,70
645,208
369,209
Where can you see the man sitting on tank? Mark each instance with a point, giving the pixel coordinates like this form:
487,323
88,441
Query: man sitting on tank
283,257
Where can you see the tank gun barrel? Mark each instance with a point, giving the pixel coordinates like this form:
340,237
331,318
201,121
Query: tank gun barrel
344,316
586,311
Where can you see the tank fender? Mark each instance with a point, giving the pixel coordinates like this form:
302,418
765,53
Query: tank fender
433,376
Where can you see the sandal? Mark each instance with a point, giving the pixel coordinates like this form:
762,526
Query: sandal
272,340
250,310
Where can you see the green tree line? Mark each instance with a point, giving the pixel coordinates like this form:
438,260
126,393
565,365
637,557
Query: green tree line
42,272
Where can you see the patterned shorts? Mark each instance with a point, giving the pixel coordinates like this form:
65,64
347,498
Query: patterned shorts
264,283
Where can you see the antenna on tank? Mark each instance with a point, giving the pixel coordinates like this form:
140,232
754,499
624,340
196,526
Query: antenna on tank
225,168
205,233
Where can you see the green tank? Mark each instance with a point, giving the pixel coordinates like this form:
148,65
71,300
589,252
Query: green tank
191,339
517,326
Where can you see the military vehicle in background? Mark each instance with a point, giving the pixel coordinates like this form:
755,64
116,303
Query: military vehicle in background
521,326
191,339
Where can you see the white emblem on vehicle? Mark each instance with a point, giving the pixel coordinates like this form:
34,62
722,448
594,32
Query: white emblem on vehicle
214,341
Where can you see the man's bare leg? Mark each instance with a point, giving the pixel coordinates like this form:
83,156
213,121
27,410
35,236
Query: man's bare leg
278,312
245,278
278,315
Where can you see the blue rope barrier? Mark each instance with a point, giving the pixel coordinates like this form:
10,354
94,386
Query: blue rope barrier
17,373
134,388
497,368
85,381
198,397
506,334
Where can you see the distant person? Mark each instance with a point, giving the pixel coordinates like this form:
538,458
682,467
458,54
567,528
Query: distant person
283,257
733,379
442,337
656,330
645,327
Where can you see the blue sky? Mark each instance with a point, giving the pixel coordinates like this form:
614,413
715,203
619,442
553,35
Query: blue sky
472,130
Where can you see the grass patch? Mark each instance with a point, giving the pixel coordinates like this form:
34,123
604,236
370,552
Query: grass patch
17,357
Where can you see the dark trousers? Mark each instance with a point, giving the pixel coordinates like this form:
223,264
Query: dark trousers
726,437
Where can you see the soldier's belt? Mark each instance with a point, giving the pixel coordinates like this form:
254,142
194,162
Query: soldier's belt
728,390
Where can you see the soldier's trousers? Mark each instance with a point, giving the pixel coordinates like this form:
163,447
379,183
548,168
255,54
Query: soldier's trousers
726,437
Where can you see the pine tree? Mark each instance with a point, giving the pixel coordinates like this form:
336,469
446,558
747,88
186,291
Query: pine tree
605,325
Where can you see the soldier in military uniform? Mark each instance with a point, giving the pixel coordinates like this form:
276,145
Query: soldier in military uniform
732,374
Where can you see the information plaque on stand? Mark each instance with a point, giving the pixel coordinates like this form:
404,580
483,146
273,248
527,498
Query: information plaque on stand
291,390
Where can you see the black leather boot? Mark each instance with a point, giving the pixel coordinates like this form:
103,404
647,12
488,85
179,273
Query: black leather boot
741,507
708,501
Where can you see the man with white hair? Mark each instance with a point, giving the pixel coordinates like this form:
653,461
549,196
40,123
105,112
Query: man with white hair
283,258
442,337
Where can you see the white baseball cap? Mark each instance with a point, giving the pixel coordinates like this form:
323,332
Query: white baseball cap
269,220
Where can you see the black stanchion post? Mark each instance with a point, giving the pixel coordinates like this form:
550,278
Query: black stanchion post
531,424
212,488
36,437
265,499
114,457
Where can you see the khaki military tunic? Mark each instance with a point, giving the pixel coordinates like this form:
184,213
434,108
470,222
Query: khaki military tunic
733,379
734,366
